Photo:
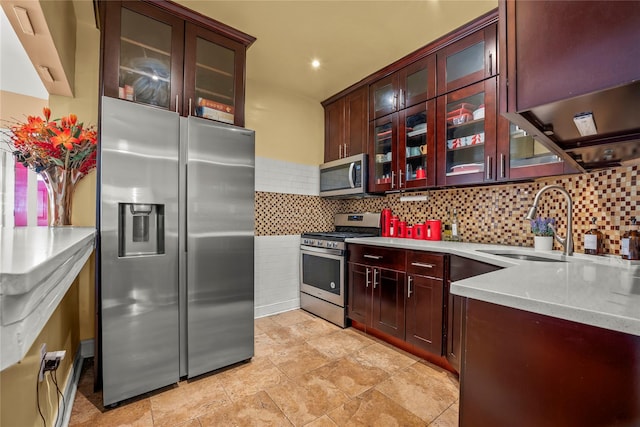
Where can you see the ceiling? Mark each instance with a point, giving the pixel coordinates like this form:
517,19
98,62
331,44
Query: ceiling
351,39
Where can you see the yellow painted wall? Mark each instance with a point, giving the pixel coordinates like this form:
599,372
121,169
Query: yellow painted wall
288,126
18,403
15,107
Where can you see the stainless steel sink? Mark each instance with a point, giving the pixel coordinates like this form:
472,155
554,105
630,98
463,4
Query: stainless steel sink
520,256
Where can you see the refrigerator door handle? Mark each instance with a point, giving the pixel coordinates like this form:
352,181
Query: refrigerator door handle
186,208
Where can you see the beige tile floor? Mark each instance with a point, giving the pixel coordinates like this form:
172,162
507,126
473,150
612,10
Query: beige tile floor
306,372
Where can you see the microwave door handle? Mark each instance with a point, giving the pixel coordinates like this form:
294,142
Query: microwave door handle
351,167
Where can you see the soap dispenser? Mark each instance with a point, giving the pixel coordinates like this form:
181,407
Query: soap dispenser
593,240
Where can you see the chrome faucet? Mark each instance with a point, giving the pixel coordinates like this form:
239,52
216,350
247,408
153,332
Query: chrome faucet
566,242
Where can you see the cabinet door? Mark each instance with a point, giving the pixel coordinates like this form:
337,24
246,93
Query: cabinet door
416,154
388,302
334,127
383,171
521,156
468,61
418,82
143,53
357,122
467,135
213,76
424,313
455,330
384,96
359,298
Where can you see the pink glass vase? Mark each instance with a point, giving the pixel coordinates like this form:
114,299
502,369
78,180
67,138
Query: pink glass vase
60,185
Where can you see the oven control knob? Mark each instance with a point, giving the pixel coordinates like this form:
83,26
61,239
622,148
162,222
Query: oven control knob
333,285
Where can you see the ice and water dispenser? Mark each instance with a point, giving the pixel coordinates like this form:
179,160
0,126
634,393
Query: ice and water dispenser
140,229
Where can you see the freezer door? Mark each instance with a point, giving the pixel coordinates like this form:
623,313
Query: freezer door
139,248
220,216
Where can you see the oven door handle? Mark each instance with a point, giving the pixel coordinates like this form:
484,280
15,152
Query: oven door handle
313,250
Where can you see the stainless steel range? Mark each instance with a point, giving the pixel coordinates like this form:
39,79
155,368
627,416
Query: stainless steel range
323,256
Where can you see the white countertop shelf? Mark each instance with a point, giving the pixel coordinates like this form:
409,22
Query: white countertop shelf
37,267
594,290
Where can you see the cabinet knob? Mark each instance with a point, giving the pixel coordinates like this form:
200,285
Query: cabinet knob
393,179
339,151
367,281
177,106
409,291
488,166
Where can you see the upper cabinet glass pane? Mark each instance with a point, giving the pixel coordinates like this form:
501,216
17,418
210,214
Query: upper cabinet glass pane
145,60
417,84
465,62
384,98
215,81
416,146
465,135
524,150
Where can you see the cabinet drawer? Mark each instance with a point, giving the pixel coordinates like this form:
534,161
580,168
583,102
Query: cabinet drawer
425,264
376,256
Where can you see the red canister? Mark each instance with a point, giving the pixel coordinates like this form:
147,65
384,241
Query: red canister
385,222
433,229
393,229
419,231
410,232
402,229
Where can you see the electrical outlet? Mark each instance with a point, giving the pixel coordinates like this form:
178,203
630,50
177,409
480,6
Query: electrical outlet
52,359
43,352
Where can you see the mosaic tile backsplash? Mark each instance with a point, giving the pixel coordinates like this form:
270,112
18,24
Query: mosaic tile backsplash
491,214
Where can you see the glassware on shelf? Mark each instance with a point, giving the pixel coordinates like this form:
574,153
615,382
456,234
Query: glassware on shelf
465,135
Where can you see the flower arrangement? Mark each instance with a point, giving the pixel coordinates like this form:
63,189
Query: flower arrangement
41,143
541,226
62,151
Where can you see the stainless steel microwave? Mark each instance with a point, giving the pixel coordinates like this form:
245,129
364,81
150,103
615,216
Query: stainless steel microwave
345,177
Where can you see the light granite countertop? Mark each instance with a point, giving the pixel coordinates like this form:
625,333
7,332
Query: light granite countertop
601,291
37,267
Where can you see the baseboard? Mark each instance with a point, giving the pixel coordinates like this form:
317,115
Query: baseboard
280,307
87,348
71,388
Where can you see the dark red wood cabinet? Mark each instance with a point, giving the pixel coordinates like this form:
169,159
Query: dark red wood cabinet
346,125
529,370
166,56
468,60
376,288
425,304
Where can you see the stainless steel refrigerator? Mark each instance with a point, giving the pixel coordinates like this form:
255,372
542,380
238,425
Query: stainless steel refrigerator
176,220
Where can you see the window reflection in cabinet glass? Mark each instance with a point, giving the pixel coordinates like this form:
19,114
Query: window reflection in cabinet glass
524,150
465,62
416,146
384,98
215,76
383,153
465,135
145,59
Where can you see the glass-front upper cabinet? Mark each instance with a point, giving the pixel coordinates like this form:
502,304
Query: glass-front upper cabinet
148,67
211,66
417,146
383,170
467,134
526,157
467,61
163,55
409,86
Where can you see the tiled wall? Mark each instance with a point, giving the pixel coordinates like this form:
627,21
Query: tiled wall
491,214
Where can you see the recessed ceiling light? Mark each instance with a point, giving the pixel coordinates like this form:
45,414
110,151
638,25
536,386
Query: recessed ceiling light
315,63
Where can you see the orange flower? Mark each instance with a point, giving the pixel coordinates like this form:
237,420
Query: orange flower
73,119
47,113
65,138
